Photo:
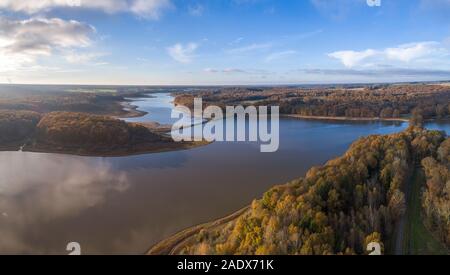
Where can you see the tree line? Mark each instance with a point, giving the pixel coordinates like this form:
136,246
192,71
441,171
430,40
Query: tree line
387,101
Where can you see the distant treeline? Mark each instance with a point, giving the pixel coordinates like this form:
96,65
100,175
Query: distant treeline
50,99
388,101
342,206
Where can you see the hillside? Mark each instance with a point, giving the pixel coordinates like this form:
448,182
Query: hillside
80,129
337,208
80,134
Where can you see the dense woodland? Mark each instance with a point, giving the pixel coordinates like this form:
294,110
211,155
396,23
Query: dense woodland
340,207
83,130
436,198
16,127
386,101
77,133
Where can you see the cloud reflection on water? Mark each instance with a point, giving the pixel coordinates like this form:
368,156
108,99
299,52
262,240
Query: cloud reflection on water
36,189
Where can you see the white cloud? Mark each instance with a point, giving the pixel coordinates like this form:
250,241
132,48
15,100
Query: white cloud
279,55
249,48
409,54
150,8
353,58
143,8
381,72
22,42
182,53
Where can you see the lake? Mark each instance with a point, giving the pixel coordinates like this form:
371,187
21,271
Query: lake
126,204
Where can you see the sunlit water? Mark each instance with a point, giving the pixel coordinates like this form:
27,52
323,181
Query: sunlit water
160,108
126,204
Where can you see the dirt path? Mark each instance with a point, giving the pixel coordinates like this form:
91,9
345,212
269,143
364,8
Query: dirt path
174,244
400,230
412,237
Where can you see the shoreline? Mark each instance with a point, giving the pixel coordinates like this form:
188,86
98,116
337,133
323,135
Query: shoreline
344,118
156,127
129,111
174,243
146,149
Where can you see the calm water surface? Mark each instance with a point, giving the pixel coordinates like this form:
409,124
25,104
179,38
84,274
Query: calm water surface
124,205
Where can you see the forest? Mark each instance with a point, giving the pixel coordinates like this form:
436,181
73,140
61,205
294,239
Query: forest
16,127
45,99
436,197
80,134
379,101
340,207
83,130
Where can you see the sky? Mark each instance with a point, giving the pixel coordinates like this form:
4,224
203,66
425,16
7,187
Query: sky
223,42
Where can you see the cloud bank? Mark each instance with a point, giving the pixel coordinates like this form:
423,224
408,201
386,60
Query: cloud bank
23,41
151,9
420,53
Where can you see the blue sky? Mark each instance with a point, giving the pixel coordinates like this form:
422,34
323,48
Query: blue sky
205,42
